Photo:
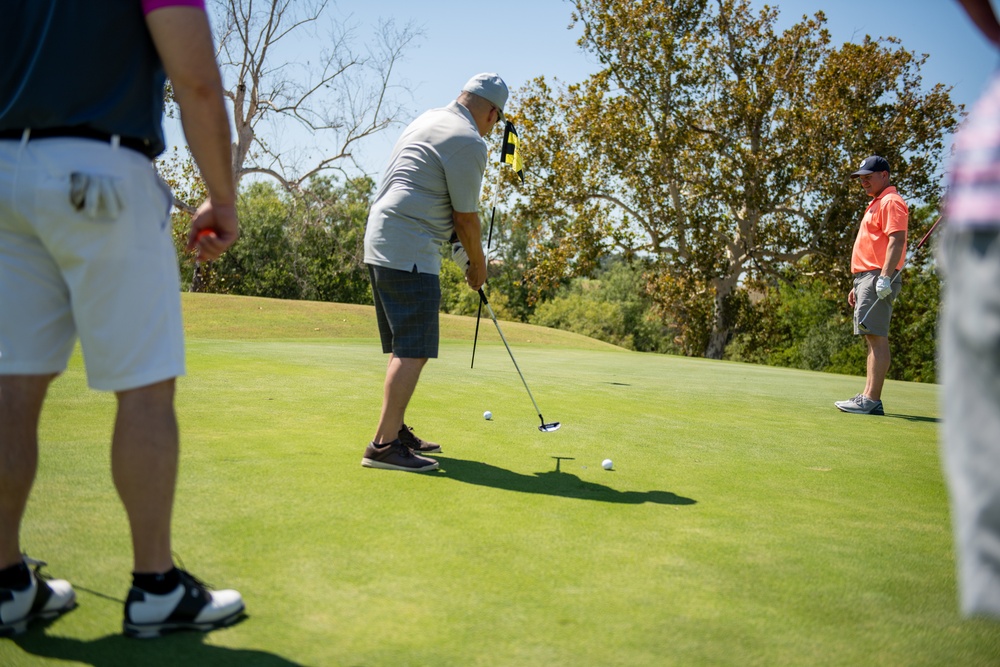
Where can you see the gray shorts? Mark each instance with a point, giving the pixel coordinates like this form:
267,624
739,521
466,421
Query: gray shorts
970,398
406,307
876,312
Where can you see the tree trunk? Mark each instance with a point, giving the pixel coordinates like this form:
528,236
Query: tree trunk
719,336
196,281
721,324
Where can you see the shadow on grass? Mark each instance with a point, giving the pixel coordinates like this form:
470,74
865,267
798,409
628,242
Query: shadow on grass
182,648
914,418
553,483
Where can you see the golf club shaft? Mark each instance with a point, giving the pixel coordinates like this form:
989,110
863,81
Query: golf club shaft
489,309
929,232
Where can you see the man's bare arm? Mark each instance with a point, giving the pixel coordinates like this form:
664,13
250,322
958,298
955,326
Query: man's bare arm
183,39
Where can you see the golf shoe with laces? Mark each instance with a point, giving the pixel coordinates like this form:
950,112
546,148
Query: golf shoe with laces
419,446
849,403
190,606
862,406
396,456
42,599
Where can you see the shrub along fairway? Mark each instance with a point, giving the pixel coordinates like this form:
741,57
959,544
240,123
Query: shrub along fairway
746,521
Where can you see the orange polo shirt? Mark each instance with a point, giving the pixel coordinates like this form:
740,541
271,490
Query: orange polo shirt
886,214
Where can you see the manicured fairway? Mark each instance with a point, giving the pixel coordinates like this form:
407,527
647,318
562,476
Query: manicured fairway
746,521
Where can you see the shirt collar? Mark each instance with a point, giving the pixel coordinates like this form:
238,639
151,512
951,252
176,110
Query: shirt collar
460,109
889,190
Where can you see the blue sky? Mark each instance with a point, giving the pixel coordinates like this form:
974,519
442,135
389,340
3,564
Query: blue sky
523,39
463,38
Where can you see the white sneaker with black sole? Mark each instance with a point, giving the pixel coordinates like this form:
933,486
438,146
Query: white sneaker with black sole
42,599
190,606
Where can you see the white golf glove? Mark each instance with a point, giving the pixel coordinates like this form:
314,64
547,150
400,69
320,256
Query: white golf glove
883,287
460,257
95,195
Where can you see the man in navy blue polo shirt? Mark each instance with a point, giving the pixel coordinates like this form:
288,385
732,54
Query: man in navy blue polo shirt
86,252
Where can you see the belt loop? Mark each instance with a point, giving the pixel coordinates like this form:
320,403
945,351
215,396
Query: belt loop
116,140
25,136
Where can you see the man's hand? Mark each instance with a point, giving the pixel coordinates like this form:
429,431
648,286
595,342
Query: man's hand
213,229
852,300
883,287
475,277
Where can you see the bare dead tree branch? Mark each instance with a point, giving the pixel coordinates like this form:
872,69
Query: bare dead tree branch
300,113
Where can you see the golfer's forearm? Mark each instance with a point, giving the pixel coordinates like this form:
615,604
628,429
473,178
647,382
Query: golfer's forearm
206,127
469,232
183,40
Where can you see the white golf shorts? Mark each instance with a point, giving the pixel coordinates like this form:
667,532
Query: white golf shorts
106,274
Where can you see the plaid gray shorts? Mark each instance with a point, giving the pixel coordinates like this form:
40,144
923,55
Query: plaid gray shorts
406,307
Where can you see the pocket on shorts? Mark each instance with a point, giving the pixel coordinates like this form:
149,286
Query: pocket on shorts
151,212
167,204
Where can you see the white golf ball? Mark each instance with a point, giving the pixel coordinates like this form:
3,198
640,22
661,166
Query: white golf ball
607,464
487,415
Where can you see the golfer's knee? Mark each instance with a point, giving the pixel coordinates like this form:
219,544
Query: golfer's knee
158,394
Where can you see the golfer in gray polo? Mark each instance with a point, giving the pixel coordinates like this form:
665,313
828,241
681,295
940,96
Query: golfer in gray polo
429,192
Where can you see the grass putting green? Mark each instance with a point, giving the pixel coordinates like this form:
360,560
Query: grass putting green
746,521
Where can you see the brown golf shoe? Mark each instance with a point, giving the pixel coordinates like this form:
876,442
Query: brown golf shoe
396,456
410,439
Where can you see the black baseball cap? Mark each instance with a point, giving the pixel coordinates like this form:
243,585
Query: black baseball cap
870,165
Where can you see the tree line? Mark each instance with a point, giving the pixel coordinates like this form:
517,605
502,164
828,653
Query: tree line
690,197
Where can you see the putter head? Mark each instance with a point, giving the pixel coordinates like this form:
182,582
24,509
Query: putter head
548,428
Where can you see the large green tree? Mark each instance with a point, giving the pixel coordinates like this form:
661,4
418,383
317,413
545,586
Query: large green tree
718,147
306,246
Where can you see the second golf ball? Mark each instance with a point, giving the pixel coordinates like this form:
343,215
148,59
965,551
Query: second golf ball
487,415
607,464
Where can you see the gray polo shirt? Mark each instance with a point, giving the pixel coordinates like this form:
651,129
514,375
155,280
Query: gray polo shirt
436,167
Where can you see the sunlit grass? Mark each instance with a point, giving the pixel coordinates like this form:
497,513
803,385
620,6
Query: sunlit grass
746,521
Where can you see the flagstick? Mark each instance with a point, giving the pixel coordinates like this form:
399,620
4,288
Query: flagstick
489,238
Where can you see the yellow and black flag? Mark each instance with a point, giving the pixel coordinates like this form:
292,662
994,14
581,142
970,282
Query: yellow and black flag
510,153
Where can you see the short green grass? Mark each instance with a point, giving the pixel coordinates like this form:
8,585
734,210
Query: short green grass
746,522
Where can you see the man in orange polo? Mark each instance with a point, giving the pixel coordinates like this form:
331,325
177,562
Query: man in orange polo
879,254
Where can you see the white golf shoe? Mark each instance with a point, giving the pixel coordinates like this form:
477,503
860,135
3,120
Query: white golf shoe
190,606
42,599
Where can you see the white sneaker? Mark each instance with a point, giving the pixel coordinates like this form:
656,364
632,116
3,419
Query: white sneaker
43,598
863,406
190,606
849,403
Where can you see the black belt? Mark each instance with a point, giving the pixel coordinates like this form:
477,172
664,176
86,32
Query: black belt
140,145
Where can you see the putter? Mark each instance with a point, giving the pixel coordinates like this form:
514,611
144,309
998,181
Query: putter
544,428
